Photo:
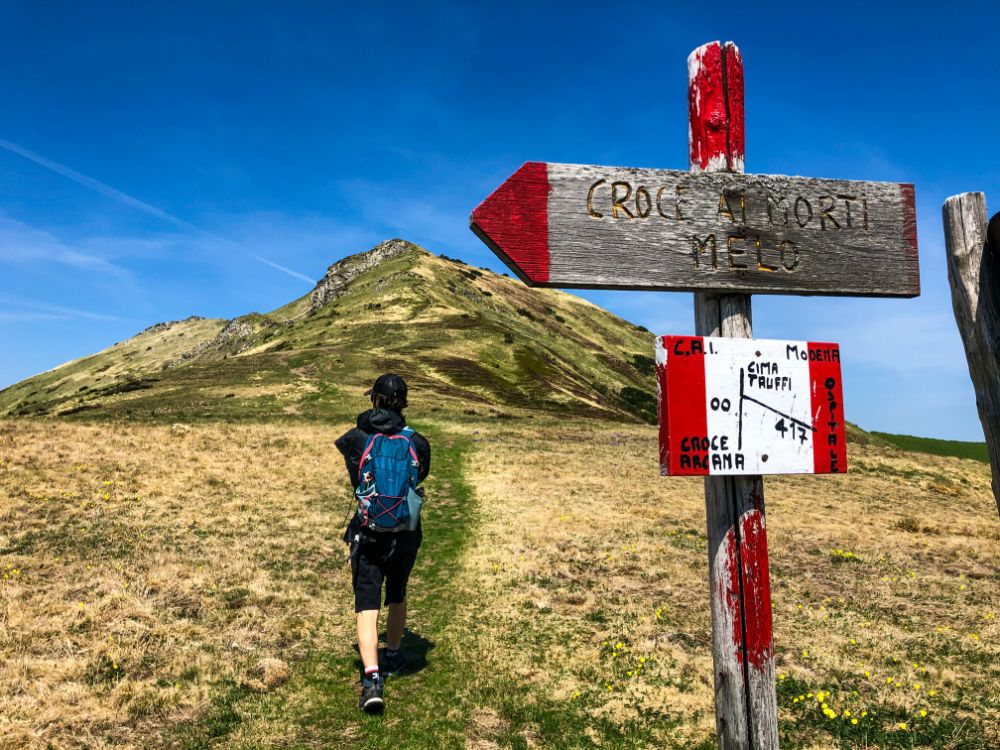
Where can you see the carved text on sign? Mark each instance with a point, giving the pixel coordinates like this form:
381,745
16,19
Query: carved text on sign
620,200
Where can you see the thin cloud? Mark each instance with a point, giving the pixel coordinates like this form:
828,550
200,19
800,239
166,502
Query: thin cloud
47,310
19,316
22,243
289,271
125,199
96,185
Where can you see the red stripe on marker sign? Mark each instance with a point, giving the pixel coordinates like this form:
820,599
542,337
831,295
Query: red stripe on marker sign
514,222
829,439
687,418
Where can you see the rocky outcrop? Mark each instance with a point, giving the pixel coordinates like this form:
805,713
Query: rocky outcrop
240,330
238,335
157,327
342,273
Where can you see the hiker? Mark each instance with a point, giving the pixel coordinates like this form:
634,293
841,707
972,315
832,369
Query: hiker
385,460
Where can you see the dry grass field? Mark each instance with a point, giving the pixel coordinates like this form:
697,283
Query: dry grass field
144,568
885,589
152,577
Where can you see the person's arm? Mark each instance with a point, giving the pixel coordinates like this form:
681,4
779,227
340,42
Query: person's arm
351,444
423,449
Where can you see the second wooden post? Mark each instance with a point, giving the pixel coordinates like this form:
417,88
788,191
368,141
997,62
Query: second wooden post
746,711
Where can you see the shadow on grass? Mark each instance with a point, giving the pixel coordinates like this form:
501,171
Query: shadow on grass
414,648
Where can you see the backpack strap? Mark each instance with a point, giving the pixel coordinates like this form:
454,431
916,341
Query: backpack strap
368,448
407,432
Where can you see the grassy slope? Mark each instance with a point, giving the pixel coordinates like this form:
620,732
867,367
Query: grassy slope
884,590
197,551
474,339
936,447
319,703
114,370
455,699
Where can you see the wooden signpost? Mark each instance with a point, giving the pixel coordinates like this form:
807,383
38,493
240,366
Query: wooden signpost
724,235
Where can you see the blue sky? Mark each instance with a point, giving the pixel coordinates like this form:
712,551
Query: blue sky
163,160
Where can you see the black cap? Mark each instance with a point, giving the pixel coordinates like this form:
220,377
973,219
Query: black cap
390,384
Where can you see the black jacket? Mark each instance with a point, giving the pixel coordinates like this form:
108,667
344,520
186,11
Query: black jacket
352,442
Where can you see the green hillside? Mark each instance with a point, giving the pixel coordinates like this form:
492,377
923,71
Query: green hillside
936,447
467,340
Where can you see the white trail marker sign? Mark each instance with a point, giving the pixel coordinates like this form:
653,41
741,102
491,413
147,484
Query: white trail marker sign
749,406
723,235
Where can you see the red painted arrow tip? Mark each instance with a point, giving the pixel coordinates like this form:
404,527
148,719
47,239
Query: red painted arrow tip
514,222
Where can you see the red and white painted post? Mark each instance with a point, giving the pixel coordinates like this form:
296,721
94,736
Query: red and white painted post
746,710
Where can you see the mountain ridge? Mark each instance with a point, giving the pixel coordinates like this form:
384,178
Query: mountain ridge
458,333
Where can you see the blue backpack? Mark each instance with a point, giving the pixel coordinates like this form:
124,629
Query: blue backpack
387,480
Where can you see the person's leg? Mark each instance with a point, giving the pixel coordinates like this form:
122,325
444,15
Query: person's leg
368,638
395,625
368,577
396,578
371,700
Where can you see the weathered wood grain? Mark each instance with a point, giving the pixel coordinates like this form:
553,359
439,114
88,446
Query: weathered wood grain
746,707
615,227
973,250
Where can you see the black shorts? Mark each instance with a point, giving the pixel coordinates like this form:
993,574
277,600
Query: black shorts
383,557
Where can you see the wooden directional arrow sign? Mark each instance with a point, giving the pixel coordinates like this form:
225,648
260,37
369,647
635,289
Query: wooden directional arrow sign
570,225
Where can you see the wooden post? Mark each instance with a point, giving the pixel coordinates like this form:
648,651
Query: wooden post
746,709
974,274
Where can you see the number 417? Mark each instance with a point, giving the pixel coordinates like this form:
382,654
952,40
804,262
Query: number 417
792,430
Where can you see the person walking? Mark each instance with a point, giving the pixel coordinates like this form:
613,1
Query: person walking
385,534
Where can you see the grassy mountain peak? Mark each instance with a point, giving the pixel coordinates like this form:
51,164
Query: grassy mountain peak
458,334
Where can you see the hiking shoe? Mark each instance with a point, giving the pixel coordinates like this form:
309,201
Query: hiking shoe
371,697
391,663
